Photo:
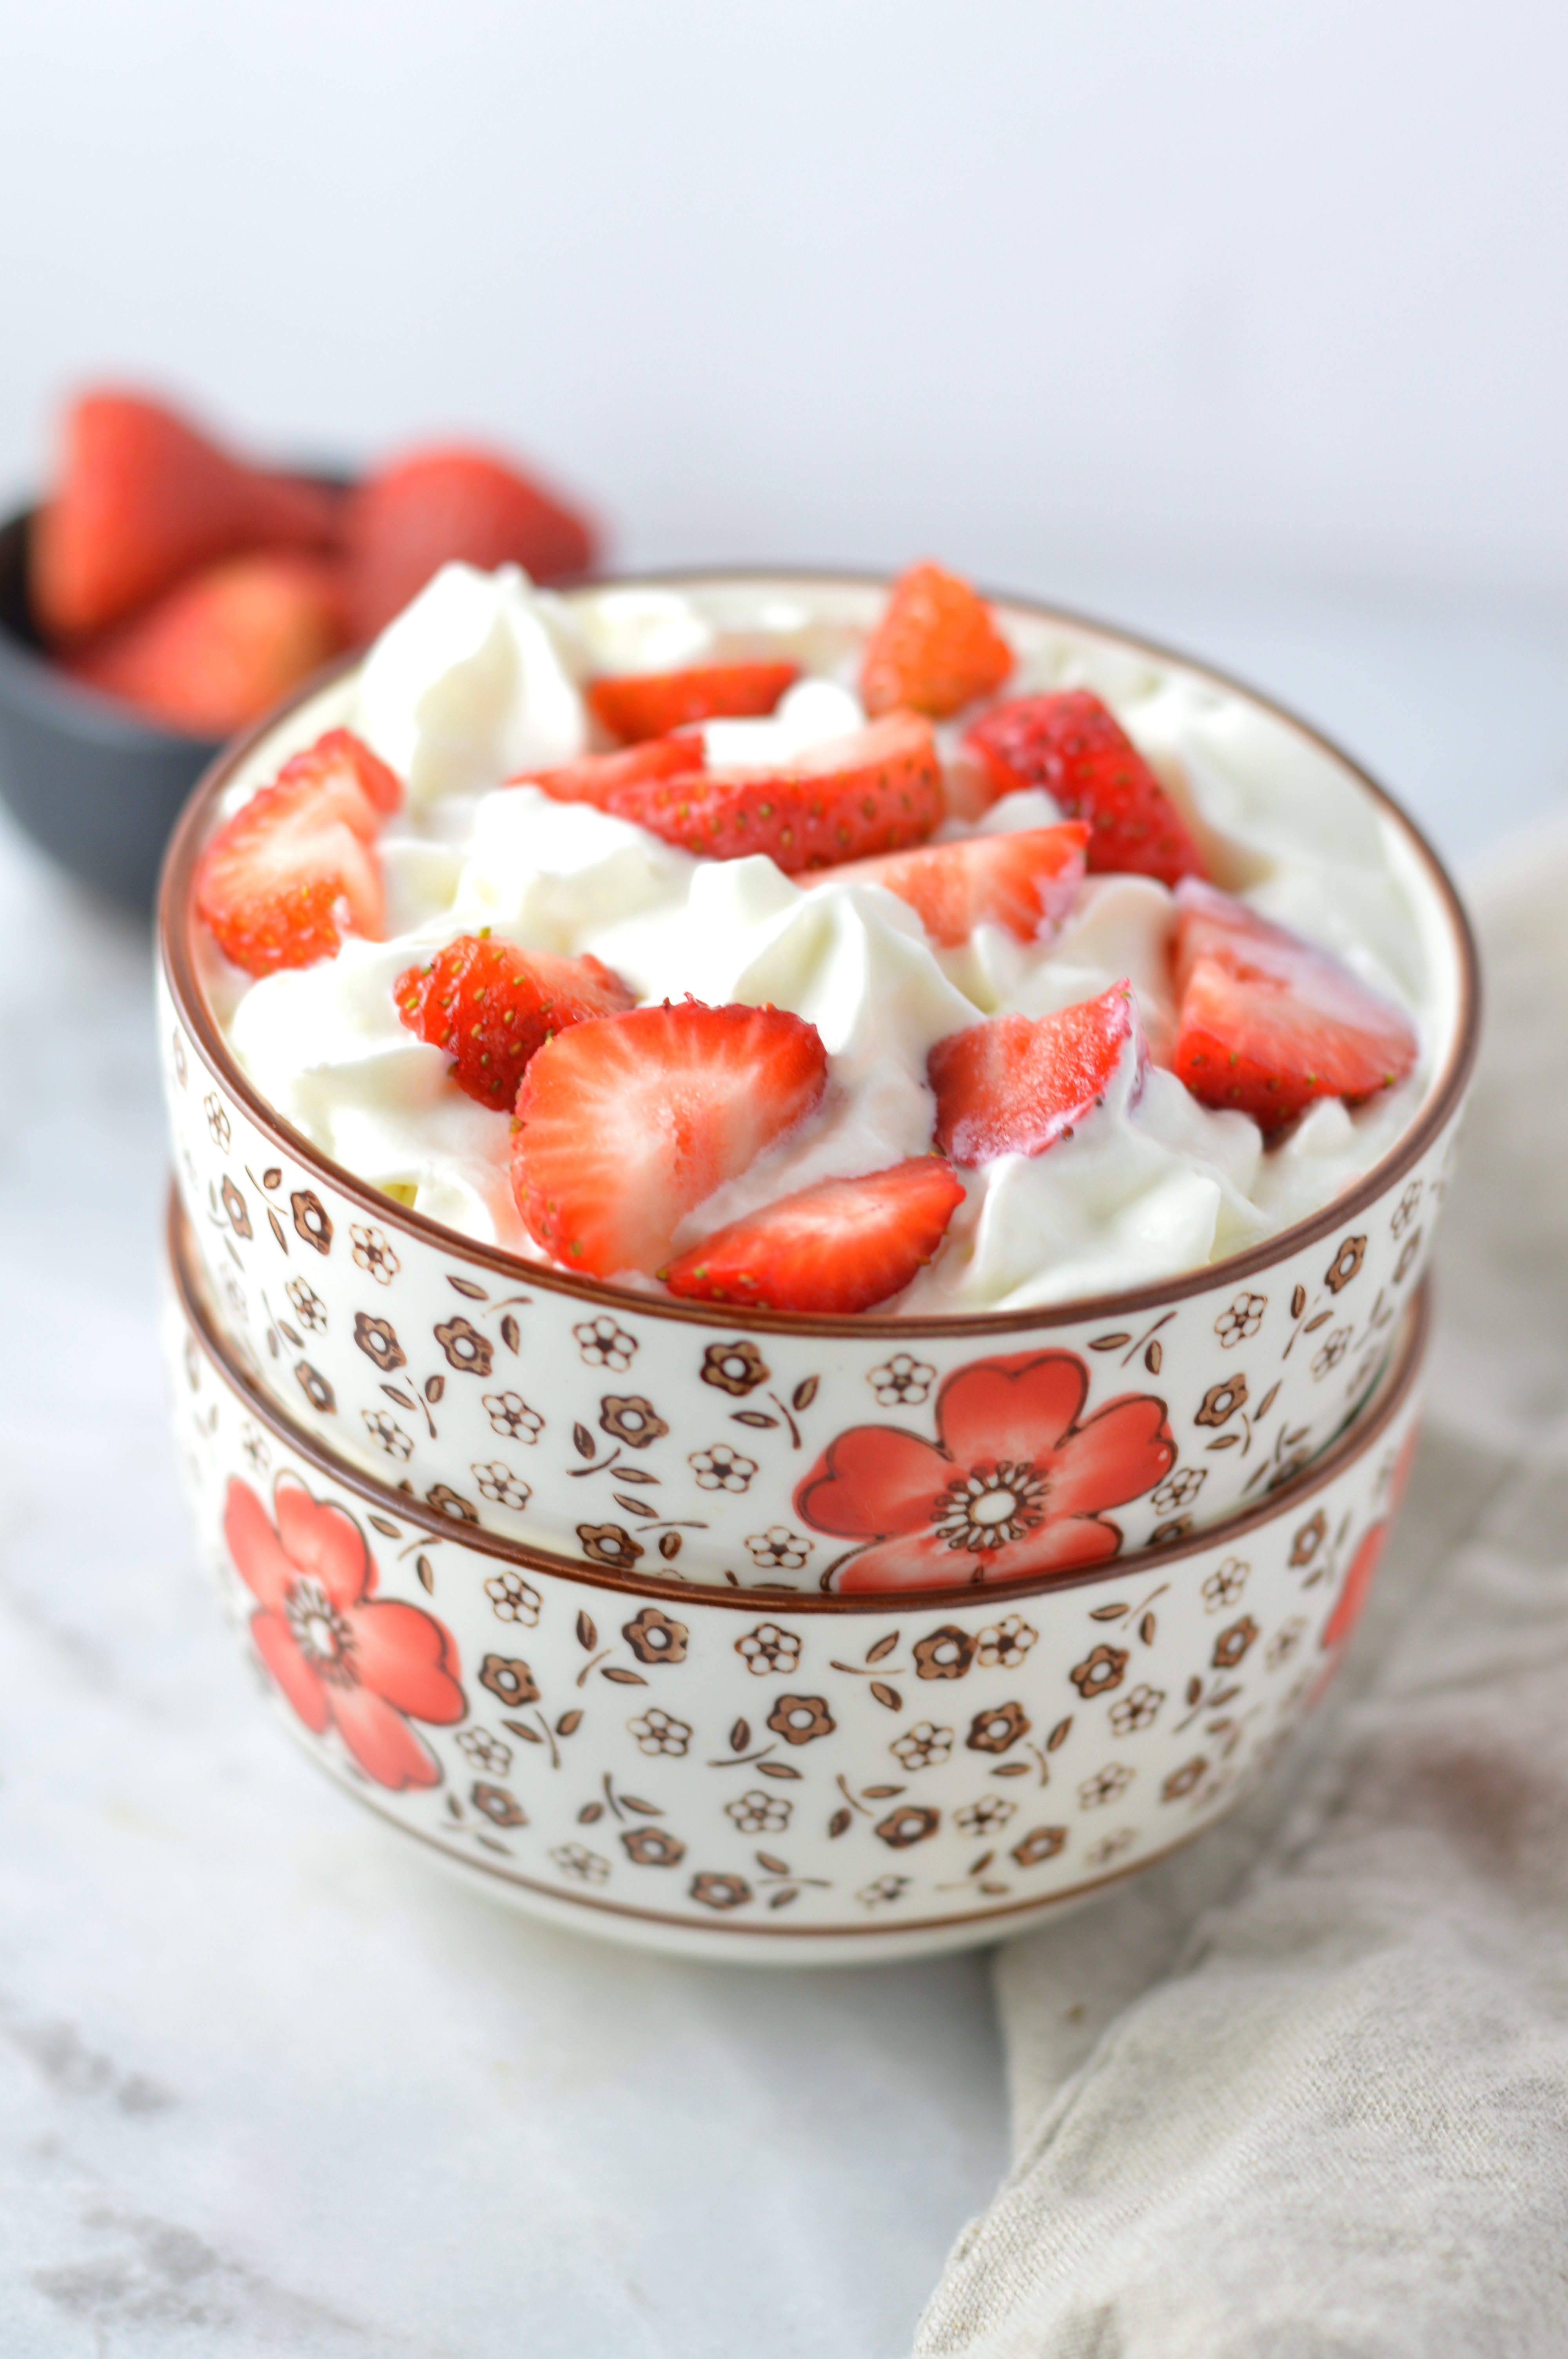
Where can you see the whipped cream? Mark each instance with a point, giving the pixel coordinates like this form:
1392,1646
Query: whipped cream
483,675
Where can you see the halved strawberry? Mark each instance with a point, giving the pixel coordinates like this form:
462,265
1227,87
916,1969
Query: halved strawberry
594,777
1026,883
626,1123
294,869
1268,1022
936,648
840,1246
1070,744
490,1005
1014,1086
433,507
634,705
876,790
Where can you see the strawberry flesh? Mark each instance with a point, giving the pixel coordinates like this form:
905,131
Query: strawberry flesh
1268,1022
1025,882
595,777
453,504
876,790
627,1122
1013,1085
635,705
839,1246
294,869
936,648
492,1006
1074,747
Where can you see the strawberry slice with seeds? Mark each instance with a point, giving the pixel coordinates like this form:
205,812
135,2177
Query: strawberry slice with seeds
1014,1084
626,1123
492,1006
839,1247
1074,747
635,705
936,648
1026,883
294,869
595,777
876,790
1268,1022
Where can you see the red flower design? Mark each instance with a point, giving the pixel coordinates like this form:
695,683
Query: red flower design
1358,1581
1015,1484
339,1652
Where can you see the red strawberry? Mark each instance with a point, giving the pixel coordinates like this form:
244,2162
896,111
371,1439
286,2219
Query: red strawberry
1026,883
1078,752
1268,1022
627,1123
650,704
1012,1086
840,1246
936,648
294,869
492,1005
595,777
874,791
222,648
143,498
438,506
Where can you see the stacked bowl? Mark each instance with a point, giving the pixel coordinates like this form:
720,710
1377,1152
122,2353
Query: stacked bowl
766,1635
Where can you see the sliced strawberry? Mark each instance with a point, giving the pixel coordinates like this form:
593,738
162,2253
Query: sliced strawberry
936,648
595,777
490,1005
141,498
222,647
1013,1086
435,507
1071,745
874,791
1026,883
840,1246
634,705
627,1123
1268,1022
294,869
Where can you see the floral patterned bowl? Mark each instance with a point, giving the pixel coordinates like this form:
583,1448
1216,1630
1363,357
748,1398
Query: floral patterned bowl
762,1450
826,1779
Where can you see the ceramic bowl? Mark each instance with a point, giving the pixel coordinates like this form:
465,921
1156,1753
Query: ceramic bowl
748,1449
821,1780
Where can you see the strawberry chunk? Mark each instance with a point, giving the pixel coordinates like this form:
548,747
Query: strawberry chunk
492,1005
936,648
626,1123
144,498
876,790
1268,1022
436,508
220,649
1025,882
635,705
839,1247
595,777
294,869
1070,744
1014,1086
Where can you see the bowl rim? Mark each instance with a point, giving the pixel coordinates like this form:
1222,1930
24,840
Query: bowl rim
1396,1380
176,920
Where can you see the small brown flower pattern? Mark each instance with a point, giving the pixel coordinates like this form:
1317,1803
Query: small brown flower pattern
1346,1264
311,1220
485,1751
652,1847
720,1891
372,1254
609,1544
1331,1351
1309,1538
308,1307
922,1747
1231,1645
502,1808
995,1730
316,1389
653,1638
1222,1401
778,1549
737,1368
602,1345
944,1654
882,1891
1225,1584
1106,1785
508,1677
1242,1321
984,1817
769,1649
1002,1646
465,1347
907,1825
584,1866
377,1341
1407,1251
1135,1711
497,1484
1102,1669
1178,1490
452,1504
217,1121
757,1813
659,1732
513,1599
511,1417
902,1381
1183,1781
1404,1212
628,1417
387,1434
1110,1847
234,1205
177,1049
801,1719
722,1469
1039,1844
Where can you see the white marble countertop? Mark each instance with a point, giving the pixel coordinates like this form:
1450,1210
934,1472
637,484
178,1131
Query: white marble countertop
269,2085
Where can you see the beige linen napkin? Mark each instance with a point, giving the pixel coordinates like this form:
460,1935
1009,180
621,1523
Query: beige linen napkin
1304,2090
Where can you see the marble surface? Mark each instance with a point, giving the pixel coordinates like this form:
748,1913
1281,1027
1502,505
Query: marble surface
266,2084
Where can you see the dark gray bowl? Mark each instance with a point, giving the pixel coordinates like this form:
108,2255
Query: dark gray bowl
95,786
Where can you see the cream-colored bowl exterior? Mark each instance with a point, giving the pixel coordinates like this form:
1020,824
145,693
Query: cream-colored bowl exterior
816,1779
